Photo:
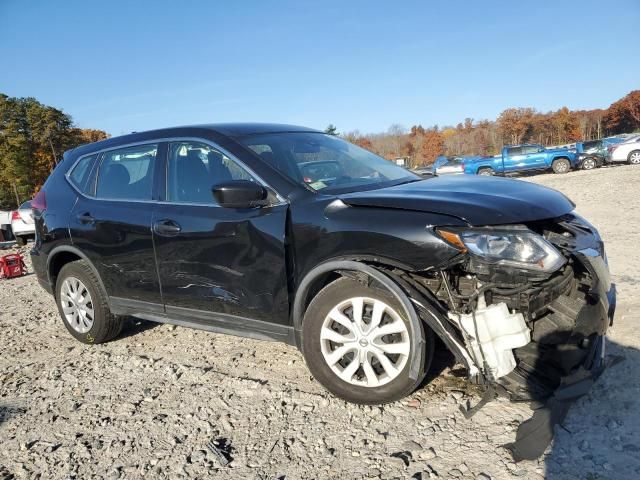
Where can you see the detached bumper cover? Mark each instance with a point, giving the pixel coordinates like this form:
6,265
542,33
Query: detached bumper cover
580,367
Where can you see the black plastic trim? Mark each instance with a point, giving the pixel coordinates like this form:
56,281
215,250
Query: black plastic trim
203,320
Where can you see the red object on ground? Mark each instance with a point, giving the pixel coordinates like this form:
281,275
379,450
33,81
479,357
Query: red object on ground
12,266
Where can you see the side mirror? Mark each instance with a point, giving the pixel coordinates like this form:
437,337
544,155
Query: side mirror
240,194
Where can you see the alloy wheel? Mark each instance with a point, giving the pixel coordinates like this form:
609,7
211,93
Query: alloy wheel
634,158
589,164
77,305
365,342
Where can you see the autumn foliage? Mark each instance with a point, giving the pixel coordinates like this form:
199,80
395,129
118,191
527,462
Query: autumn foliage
33,138
513,126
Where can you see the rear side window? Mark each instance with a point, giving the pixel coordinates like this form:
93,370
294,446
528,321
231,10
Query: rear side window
512,151
531,149
127,173
81,173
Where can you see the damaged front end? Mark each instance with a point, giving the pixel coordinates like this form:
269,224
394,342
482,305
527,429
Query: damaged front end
535,330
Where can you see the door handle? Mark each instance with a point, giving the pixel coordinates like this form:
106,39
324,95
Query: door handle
86,219
167,228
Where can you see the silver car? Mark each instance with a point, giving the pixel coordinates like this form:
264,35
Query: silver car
454,166
22,223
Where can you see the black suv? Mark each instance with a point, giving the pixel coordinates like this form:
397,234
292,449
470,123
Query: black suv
359,263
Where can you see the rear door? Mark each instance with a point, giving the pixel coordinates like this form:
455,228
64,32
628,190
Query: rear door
218,265
533,157
111,223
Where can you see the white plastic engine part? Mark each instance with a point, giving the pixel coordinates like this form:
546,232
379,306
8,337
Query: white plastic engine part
499,332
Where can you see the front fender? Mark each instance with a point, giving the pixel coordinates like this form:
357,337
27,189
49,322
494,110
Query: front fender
417,307
417,332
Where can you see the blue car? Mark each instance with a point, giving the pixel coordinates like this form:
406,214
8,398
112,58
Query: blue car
521,158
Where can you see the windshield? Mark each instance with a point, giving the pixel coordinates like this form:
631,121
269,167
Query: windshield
326,163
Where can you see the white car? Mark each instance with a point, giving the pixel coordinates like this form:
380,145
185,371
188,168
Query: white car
22,223
627,151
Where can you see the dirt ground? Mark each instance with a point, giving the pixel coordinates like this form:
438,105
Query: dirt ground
146,404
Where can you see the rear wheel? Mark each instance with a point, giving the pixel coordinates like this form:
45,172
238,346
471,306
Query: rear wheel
21,241
357,343
561,165
634,157
589,163
486,171
83,304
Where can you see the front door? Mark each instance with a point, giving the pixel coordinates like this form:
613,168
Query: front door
112,224
217,263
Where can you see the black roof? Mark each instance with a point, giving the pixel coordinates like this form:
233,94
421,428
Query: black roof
226,129
240,129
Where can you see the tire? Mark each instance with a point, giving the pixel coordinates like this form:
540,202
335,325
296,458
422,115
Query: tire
561,165
589,163
21,241
634,157
361,388
104,326
486,171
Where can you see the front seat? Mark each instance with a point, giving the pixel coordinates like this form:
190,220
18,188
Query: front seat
217,169
193,180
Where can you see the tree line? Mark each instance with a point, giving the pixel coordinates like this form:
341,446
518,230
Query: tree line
33,138
514,125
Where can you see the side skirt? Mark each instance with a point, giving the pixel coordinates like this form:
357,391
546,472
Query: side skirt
203,320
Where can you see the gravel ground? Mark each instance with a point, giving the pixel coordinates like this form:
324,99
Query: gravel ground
147,404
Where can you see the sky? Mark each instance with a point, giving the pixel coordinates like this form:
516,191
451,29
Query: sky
125,66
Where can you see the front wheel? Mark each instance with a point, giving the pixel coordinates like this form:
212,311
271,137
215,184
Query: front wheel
561,165
634,157
357,343
589,163
83,304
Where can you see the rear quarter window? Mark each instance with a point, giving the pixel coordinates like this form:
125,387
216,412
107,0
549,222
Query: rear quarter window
80,175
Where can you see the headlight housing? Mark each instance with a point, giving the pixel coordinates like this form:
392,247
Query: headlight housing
516,247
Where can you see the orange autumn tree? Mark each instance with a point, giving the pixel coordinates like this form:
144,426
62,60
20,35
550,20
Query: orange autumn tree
624,115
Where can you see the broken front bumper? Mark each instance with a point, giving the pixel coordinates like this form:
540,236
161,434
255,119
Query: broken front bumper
571,360
567,314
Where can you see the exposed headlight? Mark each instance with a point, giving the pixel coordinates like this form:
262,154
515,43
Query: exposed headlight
517,247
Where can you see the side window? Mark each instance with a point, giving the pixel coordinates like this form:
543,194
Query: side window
194,168
513,151
81,173
127,173
530,149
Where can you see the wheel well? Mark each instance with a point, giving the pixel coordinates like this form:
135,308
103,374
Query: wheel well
561,158
59,261
479,169
318,284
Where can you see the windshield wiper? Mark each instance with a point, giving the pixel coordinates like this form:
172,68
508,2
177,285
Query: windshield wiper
410,180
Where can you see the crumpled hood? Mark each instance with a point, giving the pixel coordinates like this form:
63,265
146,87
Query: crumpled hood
476,200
